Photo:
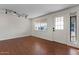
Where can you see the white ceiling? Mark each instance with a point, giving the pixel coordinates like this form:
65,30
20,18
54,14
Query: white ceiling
35,10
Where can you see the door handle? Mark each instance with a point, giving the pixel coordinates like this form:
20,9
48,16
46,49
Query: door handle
53,29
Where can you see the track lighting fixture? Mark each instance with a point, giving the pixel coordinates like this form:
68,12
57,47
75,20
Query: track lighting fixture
8,11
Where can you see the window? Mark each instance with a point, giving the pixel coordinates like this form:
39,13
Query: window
40,25
59,23
73,29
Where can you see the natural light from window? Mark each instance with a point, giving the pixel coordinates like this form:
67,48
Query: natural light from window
59,23
40,26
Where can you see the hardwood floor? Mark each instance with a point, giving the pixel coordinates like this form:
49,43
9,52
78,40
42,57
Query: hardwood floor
34,46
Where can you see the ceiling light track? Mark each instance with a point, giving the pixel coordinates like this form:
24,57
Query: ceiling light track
8,11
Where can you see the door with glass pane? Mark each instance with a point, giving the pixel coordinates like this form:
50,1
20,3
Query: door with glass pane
73,29
58,28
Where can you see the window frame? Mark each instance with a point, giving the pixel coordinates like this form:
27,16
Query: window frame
59,23
41,24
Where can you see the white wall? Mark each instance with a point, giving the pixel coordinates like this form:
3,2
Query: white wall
64,37
12,26
44,34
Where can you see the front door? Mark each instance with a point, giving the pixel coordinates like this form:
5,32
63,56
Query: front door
59,32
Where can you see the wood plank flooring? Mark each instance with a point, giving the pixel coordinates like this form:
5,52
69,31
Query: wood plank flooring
34,46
